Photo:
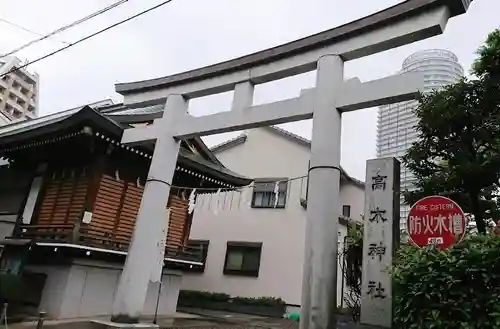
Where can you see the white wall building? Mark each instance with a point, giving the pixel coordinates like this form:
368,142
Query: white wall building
395,131
255,249
18,90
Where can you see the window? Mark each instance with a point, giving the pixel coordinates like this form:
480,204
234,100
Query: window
264,196
243,258
346,211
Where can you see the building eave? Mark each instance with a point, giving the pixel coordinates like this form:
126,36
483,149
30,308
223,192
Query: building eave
19,134
216,170
229,143
26,242
122,114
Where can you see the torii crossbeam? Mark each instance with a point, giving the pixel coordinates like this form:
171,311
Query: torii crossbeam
404,23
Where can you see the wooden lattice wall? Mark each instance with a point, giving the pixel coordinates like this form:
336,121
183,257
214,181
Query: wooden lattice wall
116,207
64,198
114,211
176,234
106,212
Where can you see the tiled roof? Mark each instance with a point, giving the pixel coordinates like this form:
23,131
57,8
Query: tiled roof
240,139
107,110
136,111
26,125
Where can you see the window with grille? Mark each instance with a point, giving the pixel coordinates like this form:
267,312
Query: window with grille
63,198
264,195
243,258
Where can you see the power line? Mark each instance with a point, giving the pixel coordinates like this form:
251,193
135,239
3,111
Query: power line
64,28
86,38
26,30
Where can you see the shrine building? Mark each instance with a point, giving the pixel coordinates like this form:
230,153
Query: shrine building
69,197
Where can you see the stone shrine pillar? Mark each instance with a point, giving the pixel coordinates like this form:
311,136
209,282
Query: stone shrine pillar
142,258
380,240
319,283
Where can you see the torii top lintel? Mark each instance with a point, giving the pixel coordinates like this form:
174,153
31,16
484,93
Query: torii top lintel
401,24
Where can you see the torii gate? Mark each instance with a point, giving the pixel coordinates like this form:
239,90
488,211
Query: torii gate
404,23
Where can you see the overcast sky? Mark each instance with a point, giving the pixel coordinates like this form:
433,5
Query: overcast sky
187,34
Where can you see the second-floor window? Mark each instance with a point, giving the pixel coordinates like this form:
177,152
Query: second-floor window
264,193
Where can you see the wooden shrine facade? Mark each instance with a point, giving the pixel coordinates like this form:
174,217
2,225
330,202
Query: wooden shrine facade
71,183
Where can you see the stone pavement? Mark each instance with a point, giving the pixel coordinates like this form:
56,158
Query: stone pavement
85,323
246,321
192,319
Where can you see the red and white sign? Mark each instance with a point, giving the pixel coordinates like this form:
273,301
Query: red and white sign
436,220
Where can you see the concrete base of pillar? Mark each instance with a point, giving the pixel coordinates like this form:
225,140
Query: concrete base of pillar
110,325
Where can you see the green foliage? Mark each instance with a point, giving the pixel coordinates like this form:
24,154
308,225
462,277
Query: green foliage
203,295
200,296
354,234
458,151
457,288
353,257
352,261
262,301
488,62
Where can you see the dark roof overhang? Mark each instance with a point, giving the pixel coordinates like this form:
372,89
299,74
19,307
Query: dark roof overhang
216,170
19,133
36,128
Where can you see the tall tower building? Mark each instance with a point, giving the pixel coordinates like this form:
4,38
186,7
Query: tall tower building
18,90
395,130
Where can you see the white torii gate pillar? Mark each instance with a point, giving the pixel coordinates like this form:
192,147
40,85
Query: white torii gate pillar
319,296
141,263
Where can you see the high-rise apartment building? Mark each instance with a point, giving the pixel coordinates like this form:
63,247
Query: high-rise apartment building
395,131
18,90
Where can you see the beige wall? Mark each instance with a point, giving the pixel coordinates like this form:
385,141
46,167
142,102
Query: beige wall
281,231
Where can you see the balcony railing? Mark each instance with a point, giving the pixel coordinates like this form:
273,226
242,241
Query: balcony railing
98,238
45,233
